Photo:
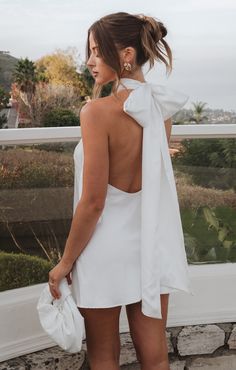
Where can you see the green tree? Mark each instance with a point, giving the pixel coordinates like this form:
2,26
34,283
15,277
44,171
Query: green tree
198,112
87,77
25,77
60,117
4,100
3,120
208,152
211,162
89,81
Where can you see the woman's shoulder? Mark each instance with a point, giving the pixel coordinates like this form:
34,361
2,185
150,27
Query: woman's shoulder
104,105
94,105
96,113
88,107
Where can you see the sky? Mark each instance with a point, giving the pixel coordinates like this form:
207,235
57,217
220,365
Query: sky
201,34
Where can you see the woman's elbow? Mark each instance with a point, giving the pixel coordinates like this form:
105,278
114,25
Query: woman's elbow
94,205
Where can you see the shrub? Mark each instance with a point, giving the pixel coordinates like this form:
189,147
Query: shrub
63,147
35,169
19,270
3,120
210,162
60,117
207,152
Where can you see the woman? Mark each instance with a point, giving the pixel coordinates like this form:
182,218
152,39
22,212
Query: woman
119,248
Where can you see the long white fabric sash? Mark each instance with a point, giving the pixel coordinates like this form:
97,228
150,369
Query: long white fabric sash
150,104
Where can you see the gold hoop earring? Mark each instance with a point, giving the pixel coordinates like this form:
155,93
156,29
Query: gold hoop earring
127,67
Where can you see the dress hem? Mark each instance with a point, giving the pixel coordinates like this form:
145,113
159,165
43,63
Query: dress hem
166,290
110,306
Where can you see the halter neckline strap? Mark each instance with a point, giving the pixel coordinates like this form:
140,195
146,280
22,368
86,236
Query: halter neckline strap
129,83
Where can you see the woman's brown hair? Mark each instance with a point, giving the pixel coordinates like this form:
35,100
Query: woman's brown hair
117,31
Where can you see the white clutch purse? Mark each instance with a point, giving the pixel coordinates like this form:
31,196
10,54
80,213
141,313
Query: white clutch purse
61,319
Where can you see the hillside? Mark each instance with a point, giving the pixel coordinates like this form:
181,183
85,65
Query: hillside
7,64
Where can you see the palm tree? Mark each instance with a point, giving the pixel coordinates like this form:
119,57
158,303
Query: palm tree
199,108
25,77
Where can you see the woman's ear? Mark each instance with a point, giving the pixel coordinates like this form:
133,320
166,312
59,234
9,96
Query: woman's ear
128,55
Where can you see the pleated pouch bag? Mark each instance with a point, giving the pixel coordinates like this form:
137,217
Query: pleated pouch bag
61,319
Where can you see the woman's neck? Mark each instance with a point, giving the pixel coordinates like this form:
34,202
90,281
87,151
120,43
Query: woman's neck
135,75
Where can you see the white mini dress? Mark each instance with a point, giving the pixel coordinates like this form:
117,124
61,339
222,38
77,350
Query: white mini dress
137,249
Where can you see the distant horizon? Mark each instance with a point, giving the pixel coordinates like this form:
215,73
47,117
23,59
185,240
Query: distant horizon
201,35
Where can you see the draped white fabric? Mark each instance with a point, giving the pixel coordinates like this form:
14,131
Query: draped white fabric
161,229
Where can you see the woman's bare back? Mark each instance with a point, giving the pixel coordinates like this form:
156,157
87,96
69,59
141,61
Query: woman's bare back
125,145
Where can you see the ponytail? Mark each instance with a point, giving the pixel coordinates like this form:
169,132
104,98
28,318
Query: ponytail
153,44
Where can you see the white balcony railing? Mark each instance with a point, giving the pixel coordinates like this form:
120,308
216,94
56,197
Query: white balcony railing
62,134
214,285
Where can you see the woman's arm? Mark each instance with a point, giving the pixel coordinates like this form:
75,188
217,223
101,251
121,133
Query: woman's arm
168,127
95,179
94,189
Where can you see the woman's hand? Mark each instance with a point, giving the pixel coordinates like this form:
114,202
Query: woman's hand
173,152
61,270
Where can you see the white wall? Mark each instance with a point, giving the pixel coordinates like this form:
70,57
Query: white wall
214,301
